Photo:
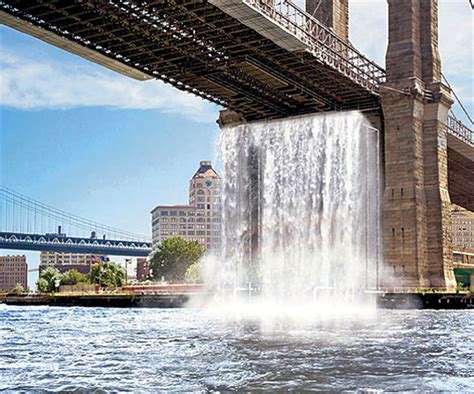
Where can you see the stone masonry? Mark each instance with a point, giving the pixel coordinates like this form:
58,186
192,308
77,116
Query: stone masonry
332,13
417,221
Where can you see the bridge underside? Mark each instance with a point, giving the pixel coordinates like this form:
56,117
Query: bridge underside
196,47
461,173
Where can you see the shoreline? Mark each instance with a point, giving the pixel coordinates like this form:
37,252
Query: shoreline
388,300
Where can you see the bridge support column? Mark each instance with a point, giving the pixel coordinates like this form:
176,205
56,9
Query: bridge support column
228,117
332,13
417,216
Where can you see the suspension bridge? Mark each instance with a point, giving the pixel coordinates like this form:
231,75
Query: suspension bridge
263,59
27,224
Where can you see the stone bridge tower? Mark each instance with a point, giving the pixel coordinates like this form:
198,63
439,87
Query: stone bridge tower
417,218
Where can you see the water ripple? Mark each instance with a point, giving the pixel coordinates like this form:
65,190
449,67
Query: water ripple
103,350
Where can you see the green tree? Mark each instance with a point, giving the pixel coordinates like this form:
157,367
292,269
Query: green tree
42,285
193,273
108,275
17,290
73,277
172,257
46,282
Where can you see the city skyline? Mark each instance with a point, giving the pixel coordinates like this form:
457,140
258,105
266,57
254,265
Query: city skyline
91,152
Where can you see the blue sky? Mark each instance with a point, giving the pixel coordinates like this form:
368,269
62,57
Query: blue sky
86,140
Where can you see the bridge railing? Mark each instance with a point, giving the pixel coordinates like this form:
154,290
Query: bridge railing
324,44
460,130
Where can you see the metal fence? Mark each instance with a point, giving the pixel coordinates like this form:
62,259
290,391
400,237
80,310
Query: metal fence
323,43
337,53
460,130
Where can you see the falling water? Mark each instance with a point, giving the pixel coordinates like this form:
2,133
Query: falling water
300,209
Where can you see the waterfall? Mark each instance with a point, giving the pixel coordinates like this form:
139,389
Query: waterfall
300,209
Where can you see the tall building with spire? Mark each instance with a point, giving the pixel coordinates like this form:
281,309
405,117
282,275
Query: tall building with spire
200,220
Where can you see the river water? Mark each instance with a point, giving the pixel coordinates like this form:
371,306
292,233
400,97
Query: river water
83,349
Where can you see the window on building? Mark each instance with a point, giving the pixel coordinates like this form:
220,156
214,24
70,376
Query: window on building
164,213
200,206
173,213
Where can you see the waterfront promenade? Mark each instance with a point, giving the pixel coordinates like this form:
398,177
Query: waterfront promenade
179,296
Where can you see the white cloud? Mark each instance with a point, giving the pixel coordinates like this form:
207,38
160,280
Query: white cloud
29,84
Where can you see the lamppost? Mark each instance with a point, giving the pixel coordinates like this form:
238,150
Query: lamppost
57,283
127,261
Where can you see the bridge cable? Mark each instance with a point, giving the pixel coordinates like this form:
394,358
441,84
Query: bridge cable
23,204
457,98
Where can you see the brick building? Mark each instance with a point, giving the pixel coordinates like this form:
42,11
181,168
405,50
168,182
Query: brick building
13,271
200,220
66,261
462,229
143,271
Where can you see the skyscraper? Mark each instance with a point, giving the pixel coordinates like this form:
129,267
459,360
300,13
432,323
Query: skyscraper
200,220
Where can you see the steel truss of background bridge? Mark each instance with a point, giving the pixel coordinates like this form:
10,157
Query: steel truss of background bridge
27,224
64,244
